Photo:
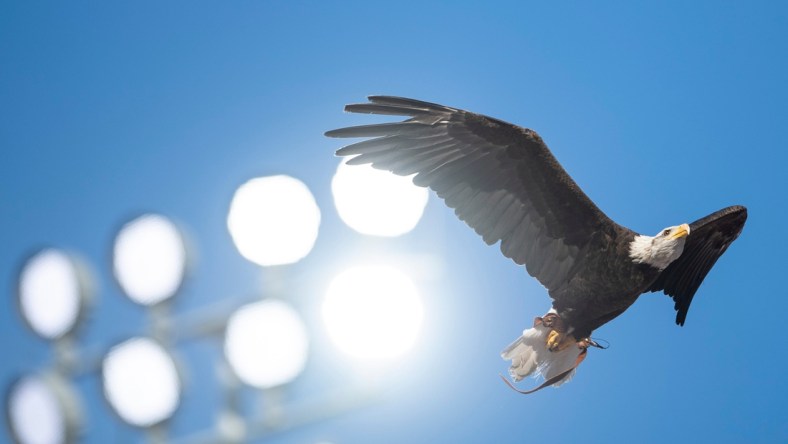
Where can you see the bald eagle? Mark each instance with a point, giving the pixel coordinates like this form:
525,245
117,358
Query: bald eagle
504,182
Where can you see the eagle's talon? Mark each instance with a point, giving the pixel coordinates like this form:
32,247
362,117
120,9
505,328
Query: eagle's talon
557,341
554,339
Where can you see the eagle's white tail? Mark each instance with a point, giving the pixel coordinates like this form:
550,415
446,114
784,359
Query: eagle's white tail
529,355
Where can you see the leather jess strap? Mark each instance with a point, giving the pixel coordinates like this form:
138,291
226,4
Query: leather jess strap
555,379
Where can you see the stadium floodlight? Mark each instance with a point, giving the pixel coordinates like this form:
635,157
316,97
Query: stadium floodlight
53,292
141,382
377,202
373,312
266,343
149,259
42,409
273,220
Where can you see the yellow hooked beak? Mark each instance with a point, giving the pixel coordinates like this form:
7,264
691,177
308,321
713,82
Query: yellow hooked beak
681,231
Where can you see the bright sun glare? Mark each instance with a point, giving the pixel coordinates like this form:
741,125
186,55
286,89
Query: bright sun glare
373,312
377,202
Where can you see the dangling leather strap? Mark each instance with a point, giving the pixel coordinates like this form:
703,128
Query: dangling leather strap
555,379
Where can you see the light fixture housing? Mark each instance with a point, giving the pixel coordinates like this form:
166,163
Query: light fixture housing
54,291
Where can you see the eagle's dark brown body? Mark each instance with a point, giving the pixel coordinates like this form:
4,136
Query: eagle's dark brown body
604,288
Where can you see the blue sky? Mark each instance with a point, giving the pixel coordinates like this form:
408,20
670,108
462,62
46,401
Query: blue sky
662,112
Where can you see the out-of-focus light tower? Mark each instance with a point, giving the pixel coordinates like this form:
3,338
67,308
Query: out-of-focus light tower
54,292
372,312
273,222
140,379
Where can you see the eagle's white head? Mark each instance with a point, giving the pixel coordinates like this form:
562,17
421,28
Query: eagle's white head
660,250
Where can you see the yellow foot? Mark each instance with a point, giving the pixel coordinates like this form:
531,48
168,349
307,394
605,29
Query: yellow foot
557,341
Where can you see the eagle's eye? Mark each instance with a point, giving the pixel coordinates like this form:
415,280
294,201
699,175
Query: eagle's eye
666,231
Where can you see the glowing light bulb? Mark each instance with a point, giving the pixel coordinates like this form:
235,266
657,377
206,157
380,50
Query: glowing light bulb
42,409
141,382
149,259
273,220
377,202
51,293
266,343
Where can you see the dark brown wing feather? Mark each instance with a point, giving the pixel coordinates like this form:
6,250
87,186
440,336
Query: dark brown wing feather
709,237
500,179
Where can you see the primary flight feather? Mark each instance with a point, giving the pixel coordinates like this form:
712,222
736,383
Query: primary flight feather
504,182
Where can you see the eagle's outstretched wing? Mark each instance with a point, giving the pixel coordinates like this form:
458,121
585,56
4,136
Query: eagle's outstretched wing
500,179
709,237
